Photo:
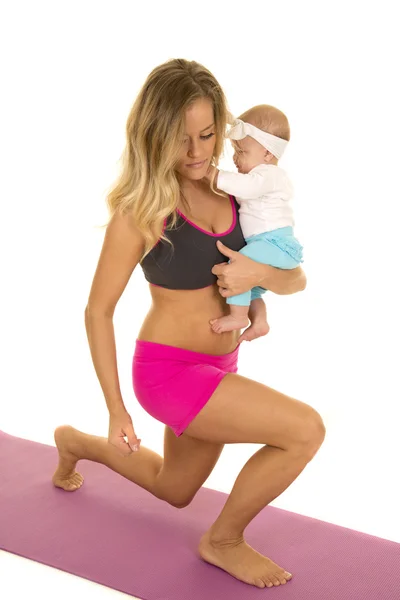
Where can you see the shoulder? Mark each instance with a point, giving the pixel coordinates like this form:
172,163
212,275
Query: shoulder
279,172
123,233
283,179
123,223
276,173
267,171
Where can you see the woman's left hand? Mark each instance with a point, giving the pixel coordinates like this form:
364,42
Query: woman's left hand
240,275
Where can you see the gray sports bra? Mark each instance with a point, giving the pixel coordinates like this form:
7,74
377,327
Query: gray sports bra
187,264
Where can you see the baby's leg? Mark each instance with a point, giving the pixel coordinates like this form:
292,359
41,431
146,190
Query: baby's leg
264,251
238,314
261,249
258,318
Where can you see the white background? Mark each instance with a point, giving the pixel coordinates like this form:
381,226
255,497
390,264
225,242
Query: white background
70,74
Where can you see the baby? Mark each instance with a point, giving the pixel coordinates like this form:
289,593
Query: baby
263,192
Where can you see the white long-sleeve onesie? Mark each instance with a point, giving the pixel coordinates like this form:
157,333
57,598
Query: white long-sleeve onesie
263,195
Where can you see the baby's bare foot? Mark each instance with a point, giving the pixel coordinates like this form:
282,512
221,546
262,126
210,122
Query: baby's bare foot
256,330
228,323
65,476
243,562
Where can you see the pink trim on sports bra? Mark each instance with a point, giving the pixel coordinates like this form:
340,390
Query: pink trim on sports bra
231,228
191,290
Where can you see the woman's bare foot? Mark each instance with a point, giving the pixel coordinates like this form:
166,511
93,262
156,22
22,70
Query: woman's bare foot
256,330
241,561
228,323
65,476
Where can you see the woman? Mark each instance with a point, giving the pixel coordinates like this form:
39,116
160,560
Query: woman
165,216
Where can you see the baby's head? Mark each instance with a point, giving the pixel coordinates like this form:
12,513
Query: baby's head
248,152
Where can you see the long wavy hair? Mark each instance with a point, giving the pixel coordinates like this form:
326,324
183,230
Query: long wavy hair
147,186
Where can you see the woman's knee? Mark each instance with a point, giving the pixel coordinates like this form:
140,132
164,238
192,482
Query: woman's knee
311,434
180,503
174,497
171,492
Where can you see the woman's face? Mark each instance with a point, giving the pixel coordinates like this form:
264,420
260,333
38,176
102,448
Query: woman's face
198,142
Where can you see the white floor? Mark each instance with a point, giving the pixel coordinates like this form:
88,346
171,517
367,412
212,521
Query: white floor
20,576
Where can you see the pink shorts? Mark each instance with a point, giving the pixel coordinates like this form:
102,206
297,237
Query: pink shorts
173,384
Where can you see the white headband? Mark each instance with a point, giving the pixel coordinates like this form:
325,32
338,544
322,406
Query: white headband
274,144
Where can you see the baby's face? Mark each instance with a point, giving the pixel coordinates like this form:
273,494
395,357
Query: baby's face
248,154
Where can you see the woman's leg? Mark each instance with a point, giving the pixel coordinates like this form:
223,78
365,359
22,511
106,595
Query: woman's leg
176,478
241,410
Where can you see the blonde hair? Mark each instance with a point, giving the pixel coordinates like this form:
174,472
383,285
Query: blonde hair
147,186
268,119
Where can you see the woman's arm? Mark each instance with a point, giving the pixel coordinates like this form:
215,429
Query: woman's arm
242,273
282,281
121,252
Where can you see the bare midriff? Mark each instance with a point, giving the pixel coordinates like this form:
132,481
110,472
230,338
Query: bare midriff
181,318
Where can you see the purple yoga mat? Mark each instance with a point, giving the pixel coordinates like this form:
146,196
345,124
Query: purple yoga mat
114,533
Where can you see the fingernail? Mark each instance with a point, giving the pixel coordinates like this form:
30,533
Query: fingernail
135,448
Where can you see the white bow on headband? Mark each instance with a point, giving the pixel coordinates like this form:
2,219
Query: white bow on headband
274,144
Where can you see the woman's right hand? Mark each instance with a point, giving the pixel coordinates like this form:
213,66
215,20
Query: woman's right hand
121,427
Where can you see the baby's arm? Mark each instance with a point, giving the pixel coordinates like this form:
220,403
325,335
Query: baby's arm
249,186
